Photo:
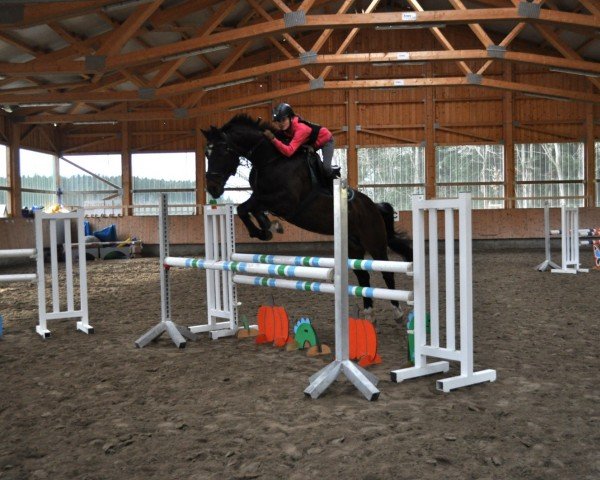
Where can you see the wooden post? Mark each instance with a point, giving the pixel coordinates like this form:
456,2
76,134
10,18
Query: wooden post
430,191
589,156
351,122
200,168
14,169
509,142
126,177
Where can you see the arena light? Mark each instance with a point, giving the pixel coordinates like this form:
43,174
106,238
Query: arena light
42,104
250,105
193,53
547,97
228,84
100,122
576,72
124,4
408,26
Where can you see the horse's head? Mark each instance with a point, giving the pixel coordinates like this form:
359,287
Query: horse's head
223,161
240,137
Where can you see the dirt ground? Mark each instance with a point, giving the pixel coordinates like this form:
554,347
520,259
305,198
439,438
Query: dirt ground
95,407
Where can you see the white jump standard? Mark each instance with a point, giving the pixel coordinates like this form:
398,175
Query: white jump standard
177,333
449,352
53,221
364,381
570,239
225,269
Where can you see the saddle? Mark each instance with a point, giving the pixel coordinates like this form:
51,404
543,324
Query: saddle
318,176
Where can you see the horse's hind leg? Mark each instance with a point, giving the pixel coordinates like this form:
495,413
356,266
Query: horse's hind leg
379,252
355,250
390,283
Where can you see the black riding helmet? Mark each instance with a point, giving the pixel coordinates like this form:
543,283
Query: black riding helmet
281,111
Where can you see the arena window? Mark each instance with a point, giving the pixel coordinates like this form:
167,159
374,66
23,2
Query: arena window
597,148
173,173
477,169
4,189
92,182
392,174
552,172
38,178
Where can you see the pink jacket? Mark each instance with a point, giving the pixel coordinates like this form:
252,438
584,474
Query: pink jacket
299,133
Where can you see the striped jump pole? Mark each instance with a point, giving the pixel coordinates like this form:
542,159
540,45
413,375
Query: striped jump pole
434,347
355,264
589,242
582,232
253,268
353,290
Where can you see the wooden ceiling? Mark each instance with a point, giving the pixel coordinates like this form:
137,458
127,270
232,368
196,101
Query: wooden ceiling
101,61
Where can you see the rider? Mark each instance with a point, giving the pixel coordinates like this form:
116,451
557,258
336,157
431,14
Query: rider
300,132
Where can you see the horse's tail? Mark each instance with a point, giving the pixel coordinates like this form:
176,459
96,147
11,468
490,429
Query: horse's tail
397,241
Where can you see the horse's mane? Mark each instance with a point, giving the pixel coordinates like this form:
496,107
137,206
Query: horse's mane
245,120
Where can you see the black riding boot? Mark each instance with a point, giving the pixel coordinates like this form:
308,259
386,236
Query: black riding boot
331,176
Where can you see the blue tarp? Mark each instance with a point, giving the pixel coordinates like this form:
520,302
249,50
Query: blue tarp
108,234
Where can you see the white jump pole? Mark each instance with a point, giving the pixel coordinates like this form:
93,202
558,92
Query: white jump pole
253,268
448,352
177,333
364,381
356,264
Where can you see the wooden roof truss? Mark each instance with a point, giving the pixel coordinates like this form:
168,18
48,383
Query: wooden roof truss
116,74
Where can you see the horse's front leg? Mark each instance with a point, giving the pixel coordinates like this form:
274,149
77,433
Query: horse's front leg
251,206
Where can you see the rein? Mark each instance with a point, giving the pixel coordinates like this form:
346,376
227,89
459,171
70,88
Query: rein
233,148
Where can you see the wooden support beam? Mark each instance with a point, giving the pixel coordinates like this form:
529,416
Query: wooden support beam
398,138
589,156
121,35
342,21
509,141
441,38
537,90
157,114
592,6
430,120
126,175
352,122
345,43
475,27
467,134
37,14
14,169
545,131
200,167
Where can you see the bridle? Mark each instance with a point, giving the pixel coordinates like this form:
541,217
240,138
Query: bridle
234,150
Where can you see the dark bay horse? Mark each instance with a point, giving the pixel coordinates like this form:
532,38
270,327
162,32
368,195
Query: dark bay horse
283,187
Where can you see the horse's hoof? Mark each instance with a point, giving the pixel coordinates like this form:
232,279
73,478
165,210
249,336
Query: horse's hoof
276,227
398,314
265,235
368,314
